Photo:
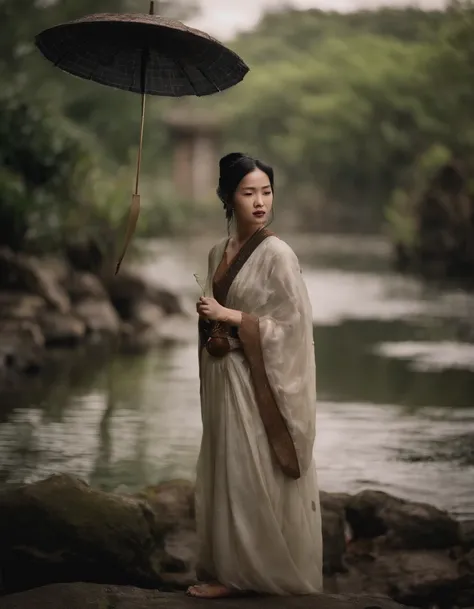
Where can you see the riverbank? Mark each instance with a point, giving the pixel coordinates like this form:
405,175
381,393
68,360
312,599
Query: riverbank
80,595
51,303
375,545
395,385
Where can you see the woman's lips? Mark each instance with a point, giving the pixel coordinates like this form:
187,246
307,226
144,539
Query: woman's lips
259,214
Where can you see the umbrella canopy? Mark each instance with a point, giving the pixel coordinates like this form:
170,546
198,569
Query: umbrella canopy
144,54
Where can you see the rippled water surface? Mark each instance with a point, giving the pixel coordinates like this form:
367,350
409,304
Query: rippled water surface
395,382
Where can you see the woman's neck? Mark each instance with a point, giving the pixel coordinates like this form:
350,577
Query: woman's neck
243,234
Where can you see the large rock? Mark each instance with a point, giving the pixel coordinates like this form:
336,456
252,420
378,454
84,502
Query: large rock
127,288
21,305
334,531
416,578
23,274
61,329
92,305
421,578
399,523
179,570
465,595
149,313
99,316
173,505
84,286
85,255
172,502
95,596
146,314
177,329
167,300
467,534
60,529
409,551
21,347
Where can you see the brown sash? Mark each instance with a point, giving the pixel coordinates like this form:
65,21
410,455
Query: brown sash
278,434
219,337
221,287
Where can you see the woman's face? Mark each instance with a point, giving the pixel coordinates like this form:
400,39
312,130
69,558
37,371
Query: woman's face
253,200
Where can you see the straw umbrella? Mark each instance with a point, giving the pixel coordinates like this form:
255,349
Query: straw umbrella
145,54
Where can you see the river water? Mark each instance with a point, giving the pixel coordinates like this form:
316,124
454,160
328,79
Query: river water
395,373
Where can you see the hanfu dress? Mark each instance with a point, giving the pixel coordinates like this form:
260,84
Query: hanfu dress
257,499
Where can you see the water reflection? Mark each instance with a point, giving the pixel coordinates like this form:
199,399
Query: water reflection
351,367
364,446
395,385
432,355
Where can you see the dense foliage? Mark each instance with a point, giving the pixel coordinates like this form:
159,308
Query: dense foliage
350,106
67,146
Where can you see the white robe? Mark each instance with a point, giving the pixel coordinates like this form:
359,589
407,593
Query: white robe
259,529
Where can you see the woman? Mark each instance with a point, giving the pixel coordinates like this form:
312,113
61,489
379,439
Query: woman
257,500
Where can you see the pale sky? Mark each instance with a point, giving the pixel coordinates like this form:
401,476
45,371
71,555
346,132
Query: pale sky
223,18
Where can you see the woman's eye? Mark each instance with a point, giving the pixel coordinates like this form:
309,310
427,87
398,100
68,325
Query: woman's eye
267,194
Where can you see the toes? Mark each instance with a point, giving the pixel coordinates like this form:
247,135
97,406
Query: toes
195,591
210,591
205,591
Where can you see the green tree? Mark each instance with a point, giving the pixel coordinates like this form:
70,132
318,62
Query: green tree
344,105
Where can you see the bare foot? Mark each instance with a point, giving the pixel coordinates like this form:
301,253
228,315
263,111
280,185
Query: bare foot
214,590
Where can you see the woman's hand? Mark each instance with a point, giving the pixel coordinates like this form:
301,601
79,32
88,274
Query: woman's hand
209,308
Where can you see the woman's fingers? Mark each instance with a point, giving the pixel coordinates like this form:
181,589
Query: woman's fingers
202,309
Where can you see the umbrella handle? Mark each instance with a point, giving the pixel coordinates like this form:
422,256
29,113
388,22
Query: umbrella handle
135,208
140,145
131,225
142,121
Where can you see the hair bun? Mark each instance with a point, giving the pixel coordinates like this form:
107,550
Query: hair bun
230,159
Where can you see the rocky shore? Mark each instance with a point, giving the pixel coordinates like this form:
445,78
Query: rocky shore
96,596
138,551
52,303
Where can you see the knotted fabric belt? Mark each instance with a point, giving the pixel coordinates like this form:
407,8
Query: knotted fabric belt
220,338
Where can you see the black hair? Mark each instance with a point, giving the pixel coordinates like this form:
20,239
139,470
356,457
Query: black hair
233,168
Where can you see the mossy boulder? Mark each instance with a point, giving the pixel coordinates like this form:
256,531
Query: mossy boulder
60,529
